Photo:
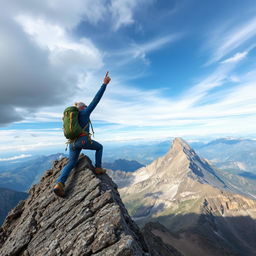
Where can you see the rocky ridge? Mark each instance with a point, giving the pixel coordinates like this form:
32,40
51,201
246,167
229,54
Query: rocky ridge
90,220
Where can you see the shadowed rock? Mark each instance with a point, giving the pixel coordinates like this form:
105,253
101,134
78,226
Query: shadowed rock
90,220
156,246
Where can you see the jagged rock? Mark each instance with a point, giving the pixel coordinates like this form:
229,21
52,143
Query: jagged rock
90,220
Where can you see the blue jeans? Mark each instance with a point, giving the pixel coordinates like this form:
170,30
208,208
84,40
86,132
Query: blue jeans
74,151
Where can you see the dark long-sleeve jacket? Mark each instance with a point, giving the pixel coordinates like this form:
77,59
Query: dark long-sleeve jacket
84,115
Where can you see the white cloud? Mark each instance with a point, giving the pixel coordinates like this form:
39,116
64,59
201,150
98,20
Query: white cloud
225,42
65,52
136,113
149,109
123,11
150,117
30,140
234,79
132,107
237,57
64,13
40,61
216,79
28,80
15,157
69,14
140,51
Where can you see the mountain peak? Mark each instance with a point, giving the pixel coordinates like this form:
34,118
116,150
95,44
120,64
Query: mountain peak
197,168
90,220
180,144
181,168
182,148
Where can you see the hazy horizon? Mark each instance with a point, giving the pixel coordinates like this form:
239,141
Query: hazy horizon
10,157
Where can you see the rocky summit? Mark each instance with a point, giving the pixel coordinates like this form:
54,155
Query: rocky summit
90,220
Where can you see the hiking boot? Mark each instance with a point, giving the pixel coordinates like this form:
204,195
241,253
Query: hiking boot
59,189
100,170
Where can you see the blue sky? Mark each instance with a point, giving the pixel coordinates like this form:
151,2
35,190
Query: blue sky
178,68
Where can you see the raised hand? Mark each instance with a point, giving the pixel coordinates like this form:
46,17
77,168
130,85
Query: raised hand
106,79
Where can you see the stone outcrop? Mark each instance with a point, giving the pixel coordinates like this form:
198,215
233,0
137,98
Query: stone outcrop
90,220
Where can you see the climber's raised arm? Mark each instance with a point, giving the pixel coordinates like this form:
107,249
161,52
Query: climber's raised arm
99,94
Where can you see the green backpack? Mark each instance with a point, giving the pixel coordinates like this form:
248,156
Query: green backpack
71,126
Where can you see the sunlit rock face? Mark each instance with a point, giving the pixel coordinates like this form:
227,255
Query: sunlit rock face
185,194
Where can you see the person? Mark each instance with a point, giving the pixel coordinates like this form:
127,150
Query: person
84,141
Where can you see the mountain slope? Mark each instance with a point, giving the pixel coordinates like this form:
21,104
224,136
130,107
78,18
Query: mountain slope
185,194
8,200
90,220
178,174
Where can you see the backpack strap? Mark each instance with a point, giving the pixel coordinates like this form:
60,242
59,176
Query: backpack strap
86,126
92,128
89,123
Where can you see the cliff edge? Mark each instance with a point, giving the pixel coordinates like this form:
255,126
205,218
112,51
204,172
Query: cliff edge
90,220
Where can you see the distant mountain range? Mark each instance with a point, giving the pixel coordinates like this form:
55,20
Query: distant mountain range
233,156
123,165
8,200
199,211
20,175
237,156
142,153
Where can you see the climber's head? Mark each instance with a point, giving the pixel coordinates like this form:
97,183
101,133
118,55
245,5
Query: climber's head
80,105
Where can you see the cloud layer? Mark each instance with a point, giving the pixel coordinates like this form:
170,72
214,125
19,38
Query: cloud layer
41,61
54,53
